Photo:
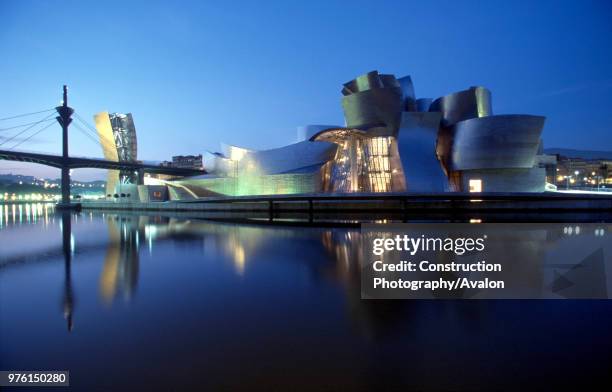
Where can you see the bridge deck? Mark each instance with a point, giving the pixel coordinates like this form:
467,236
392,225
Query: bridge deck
97,163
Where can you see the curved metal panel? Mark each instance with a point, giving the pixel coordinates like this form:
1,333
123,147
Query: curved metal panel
381,106
337,135
119,144
125,136
216,163
423,104
304,156
105,133
389,81
369,81
408,96
234,153
373,100
505,141
416,143
472,103
308,131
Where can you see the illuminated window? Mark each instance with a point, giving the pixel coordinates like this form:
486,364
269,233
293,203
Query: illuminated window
475,185
377,166
362,164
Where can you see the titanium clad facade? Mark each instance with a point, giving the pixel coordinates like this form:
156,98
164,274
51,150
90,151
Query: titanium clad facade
392,142
125,136
423,104
408,97
482,152
496,142
463,105
308,131
373,100
292,169
302,157
218,164
416,142
118,139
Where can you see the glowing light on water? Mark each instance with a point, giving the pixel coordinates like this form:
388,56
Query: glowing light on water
239,259
72,244
150,232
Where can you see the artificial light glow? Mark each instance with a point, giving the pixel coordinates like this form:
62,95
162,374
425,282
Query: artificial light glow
475,185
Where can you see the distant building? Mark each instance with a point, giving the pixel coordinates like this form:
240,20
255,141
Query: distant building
185,162
17,178
582,169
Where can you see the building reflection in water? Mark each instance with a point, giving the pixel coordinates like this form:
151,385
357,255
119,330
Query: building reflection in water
328,254
121,263
534,270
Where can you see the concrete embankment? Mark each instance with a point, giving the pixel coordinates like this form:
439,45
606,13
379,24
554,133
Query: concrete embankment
451,202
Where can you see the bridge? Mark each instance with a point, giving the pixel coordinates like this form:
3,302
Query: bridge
96,163
66,162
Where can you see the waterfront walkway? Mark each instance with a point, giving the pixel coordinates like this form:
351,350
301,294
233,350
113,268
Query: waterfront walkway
375,202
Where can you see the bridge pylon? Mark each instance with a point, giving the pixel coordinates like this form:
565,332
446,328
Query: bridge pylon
64,119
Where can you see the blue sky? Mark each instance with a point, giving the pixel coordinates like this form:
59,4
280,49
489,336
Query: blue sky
198,73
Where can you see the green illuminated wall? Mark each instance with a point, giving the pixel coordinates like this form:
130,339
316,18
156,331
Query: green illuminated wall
278,184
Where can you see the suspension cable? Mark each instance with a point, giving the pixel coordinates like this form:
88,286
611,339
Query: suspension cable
27,129
23,125
102,140
31,136
80,129
26,114
94,132
84,122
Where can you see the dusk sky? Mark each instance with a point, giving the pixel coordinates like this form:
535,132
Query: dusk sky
195,74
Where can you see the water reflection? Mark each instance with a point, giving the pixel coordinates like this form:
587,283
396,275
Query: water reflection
24,213
158,291
120,269
335,254
68,250
329,254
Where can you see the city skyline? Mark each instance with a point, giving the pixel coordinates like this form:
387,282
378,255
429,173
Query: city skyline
236,75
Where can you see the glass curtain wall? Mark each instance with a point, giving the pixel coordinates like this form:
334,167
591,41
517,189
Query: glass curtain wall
362,164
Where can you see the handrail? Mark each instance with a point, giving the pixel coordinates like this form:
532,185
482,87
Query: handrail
473,197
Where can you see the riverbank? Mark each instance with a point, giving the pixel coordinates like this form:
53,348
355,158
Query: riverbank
396,202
